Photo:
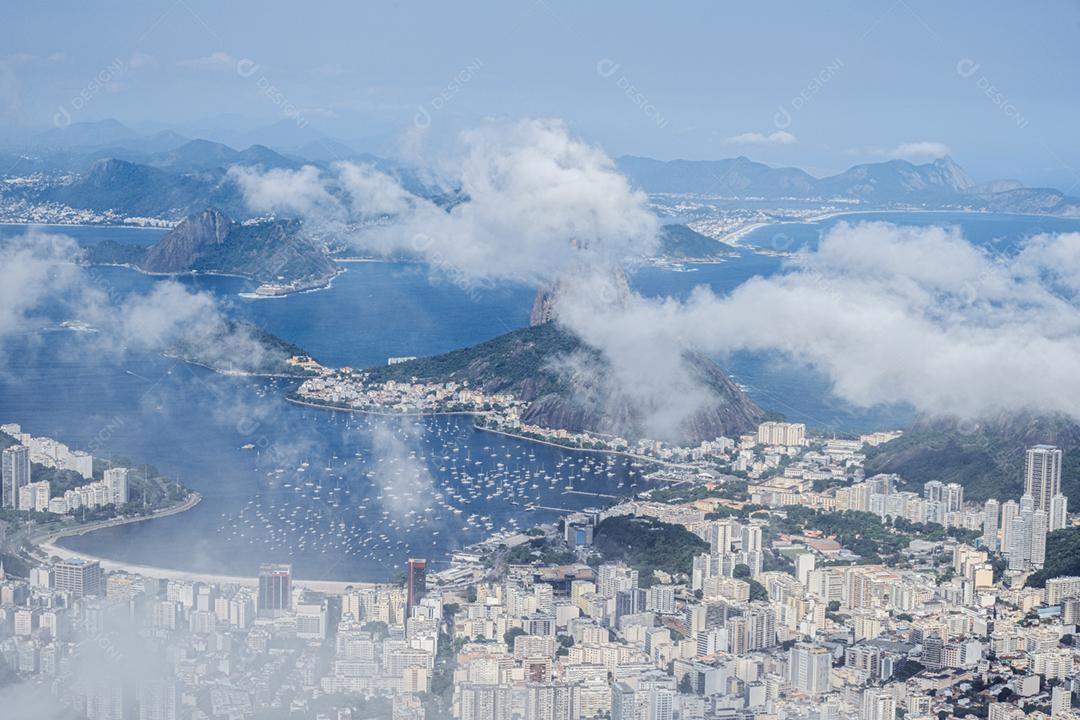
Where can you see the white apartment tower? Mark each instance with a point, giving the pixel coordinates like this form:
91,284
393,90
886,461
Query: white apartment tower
1059,512
809,666
991,514
1042,475
15,473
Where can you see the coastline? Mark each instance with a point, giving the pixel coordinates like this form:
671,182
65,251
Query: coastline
476,413
386,413
48,545
621,453
93,225
734,236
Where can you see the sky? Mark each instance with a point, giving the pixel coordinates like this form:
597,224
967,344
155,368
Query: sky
820,86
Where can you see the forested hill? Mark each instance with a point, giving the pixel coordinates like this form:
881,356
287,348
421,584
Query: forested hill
526,363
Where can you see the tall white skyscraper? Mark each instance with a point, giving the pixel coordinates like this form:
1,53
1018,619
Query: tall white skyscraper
808,668
1009,510
116,480
15,473
1019,549
953,497
1042,475
1059,512
991,515
1039,524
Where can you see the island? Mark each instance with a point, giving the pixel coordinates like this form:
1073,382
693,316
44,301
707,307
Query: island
276,253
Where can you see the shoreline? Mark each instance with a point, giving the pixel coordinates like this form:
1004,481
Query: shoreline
735,236
386,413
622,453
524,438
93,225
196,274
48,544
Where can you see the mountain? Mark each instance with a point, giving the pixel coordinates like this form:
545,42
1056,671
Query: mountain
238,347
941,183
678,242
203,155
268,251
987,457
135,189
84,134
525,364
271,252
895,179
736,177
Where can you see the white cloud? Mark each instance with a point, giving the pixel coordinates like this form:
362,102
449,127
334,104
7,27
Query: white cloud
139,60
780,137
41,269
304,191
219,60
899,314
923,150
37,266
536,203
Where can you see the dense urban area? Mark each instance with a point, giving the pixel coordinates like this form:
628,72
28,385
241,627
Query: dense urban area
768,579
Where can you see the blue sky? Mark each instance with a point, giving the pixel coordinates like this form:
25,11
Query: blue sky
817,85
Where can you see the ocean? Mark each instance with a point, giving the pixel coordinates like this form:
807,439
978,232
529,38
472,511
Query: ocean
343,496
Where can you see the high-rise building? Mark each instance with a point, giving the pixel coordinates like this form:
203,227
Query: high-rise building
623,706
15,472
991,515
934,490
79,577
116,482
781,433
275,589
809,666
1059,512
1009,511
416,582
804,565
953,497
1060,701
1039,525
1042,475
878,704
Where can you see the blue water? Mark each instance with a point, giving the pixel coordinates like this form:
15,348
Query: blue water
1001,232
258,504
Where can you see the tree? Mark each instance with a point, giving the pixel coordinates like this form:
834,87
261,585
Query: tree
741,572
509,636
758,591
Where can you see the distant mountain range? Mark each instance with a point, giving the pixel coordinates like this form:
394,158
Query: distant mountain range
116,171
938,184
275,252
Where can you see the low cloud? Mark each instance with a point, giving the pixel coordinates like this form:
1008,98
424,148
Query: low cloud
215,61
924,150
780,137
402,477
43,280
904,315
532,203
